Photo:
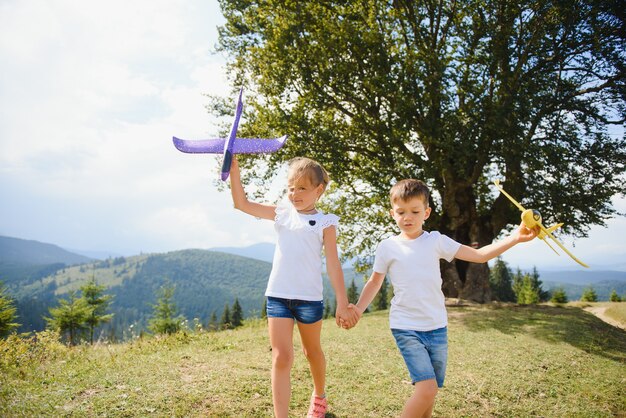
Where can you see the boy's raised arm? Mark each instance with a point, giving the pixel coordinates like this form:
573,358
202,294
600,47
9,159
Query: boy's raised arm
486,253
240,199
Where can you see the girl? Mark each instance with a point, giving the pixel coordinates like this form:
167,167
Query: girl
294,290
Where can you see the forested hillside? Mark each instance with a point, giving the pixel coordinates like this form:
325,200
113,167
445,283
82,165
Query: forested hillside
204,282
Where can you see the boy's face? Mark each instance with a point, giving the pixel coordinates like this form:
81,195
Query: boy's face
410,216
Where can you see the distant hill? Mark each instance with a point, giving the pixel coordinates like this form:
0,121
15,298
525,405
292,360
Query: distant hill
603,288
263,251
21,251
24,261
584,277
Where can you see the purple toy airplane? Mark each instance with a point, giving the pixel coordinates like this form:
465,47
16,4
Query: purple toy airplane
231,145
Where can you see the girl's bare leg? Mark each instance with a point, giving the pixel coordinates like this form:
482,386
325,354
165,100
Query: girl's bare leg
311,345
281,340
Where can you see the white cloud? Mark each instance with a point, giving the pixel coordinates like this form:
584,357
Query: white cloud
91,95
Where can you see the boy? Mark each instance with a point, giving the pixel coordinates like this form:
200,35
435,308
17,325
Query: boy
418,317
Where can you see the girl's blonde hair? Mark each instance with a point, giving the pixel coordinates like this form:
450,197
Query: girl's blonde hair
302,167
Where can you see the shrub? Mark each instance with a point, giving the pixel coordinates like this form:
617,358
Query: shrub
559,296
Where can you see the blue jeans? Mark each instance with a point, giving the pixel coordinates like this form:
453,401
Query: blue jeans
425,353
303,311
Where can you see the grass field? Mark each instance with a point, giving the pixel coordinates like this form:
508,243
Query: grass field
505,361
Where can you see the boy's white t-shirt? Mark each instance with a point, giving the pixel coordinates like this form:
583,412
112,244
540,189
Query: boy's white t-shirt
297,265
413,269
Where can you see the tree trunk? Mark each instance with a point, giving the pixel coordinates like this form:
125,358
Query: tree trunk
461,222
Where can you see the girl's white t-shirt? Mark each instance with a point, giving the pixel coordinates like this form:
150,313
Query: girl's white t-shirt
413,269
297,265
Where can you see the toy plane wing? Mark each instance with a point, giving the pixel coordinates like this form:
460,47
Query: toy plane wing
231,145
240,146
557,242
515,202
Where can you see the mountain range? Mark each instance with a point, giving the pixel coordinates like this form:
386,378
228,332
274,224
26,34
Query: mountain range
38,274
205,281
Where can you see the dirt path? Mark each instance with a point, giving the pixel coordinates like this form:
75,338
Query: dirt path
599,312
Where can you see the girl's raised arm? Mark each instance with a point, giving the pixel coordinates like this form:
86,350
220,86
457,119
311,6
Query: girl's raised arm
241,201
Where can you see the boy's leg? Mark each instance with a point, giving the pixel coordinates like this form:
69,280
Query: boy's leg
312,347
281,340
421,403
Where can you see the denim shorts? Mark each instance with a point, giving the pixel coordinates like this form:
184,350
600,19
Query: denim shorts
425,353
303,311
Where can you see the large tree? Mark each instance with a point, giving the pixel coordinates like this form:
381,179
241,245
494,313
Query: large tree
456,93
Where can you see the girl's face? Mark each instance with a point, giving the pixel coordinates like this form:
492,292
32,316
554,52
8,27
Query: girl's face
303,194
410,216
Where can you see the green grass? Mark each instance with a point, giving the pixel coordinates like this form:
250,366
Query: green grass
503,361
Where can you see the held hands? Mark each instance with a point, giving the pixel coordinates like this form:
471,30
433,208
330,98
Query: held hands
347,316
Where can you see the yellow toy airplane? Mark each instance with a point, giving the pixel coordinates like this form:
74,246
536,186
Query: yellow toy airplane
532,218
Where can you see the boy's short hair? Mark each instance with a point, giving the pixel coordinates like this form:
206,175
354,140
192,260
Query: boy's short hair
302,167
408,189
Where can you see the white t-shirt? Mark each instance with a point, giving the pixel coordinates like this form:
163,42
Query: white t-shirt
413,269
297,266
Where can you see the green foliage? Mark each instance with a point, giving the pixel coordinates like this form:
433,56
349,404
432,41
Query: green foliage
501,282
353,293
454,93
164,318
70,317
264,309
559,296
614,297
7,313
213,324
589,295
528,294
326,309
97,303
381,300
225,320
237,315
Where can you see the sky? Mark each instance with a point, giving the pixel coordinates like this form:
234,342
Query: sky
91,94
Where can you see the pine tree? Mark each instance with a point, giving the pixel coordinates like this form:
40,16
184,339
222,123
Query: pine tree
327,313
353,293
537,284
518,280
164,319
501,282
226,322
528,293
97,303
614,297
213,325
264,310
7,313
70,316
237,316
381,301
559,296
589,295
